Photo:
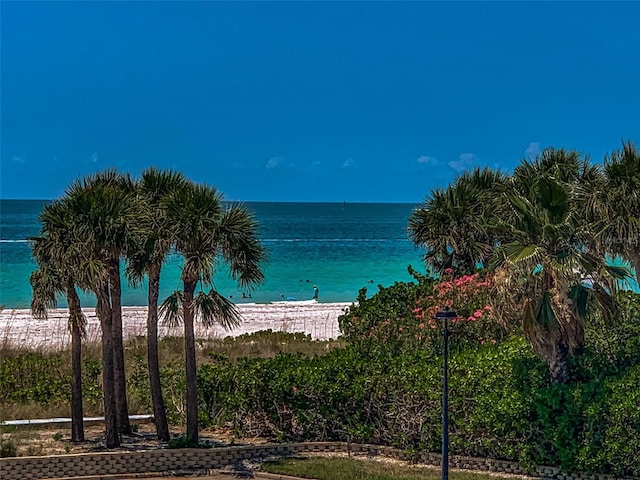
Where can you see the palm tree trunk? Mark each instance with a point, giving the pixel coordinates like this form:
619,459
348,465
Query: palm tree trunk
559,363
112,439
77,411
190,360
159,412
120,378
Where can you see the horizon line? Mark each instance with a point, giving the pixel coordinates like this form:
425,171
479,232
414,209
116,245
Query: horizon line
345,202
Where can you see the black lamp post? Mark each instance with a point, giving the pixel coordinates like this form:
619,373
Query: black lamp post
445,314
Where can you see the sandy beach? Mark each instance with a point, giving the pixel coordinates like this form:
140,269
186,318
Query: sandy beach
320,320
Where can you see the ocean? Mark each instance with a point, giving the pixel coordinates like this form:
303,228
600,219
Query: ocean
340,247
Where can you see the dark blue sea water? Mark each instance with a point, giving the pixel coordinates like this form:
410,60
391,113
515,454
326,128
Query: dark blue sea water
338,247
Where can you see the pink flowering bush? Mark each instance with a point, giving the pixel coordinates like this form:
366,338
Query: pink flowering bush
402,317
470,297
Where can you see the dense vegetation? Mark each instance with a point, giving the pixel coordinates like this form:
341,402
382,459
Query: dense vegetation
502,404
382,389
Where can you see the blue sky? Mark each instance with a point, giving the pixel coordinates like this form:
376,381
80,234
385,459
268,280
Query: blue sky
275,101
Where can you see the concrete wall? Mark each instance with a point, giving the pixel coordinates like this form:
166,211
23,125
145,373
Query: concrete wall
166,461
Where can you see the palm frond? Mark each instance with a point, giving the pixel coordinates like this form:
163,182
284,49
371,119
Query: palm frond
580,296
171,309
617,272
44,287
213,308
516,252
606,302
544,313
240,246
77,318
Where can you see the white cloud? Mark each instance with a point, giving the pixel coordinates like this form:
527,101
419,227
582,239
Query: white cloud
274,162
427,160
533,150
18,159
347,163
465,161
94,157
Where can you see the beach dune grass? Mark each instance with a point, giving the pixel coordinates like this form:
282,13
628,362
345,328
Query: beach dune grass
344,468
34,383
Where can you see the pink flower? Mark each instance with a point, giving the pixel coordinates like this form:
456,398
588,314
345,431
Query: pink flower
421,326
472,318
448,270
493,341
477,313
487,307
400,329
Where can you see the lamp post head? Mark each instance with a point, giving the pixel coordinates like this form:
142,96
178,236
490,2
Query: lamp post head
446,313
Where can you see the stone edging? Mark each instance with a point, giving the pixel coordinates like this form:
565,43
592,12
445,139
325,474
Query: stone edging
166,462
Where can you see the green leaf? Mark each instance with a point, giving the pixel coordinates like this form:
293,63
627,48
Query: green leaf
517,252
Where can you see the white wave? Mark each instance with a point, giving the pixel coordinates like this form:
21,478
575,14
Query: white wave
332,240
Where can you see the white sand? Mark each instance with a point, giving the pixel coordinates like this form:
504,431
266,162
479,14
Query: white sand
320,320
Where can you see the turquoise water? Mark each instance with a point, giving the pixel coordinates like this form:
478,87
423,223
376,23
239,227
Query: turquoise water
338,247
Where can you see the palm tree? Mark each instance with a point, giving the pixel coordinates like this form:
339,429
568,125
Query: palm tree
104,213
203,231
154,187
57,274
617,213
118,224
546,270
452,224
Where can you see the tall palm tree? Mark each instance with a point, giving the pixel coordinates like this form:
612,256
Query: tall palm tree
204,232
617,213
453,222
57,274
118,227
153,188
104,213
546,270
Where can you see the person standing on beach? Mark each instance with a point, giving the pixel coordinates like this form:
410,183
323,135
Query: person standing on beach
315,292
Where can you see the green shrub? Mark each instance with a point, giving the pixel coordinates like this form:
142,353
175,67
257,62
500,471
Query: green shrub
387,390
8,448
